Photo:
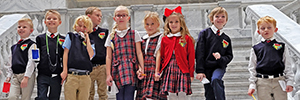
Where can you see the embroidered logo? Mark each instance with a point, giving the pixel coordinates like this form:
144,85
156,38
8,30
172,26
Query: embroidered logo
277,46
225,44
61,41
182,43
101,35
23,47
84,43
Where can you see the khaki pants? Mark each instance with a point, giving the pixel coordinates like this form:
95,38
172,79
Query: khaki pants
268,87
77,87
98,75
16,90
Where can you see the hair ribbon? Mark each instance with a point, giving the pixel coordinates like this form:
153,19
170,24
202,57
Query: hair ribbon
168,11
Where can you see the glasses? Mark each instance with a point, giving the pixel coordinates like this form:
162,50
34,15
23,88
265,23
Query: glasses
121,16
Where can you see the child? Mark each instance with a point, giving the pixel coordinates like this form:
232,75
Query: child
270,64
177,57
51,52
99,36
213,53
76,60
22,68
148,88
123,49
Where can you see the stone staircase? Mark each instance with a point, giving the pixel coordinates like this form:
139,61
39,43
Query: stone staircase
235,78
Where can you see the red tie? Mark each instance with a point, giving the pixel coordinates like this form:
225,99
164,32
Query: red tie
218,32
19,42
94,29
268,41
52,35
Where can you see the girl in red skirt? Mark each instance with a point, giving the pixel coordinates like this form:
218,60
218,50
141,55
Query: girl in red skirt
123,56
147,87
177,56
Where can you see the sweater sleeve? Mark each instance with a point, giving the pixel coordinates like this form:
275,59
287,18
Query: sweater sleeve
200,52
191,57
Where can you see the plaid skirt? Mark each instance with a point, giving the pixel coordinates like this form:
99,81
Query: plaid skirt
148,88
173,80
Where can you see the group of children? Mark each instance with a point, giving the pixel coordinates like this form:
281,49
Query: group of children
159,65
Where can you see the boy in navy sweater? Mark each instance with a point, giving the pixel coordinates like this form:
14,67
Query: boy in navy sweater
50,65
99,36
22,64
270,64
213,53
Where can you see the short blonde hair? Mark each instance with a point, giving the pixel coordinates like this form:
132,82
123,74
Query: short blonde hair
90,10
154,16
87,23
29,21
266,19
53,12
217,10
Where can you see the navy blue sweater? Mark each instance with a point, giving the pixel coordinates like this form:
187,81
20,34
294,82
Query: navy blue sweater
99,38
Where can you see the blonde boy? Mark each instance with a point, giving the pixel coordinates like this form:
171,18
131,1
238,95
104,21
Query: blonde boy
22,66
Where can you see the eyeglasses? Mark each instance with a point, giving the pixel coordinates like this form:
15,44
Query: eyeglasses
121,16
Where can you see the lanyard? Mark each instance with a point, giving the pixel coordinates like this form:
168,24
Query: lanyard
55,51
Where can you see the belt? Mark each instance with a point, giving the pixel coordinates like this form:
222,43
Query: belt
268,76
95,65
79,73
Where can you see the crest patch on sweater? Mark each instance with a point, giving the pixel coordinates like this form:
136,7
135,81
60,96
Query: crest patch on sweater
23,46
61,41
277,46
101,35
182,43
84,43
225,44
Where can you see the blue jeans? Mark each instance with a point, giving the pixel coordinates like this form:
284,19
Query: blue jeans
215,90
44,82
126,93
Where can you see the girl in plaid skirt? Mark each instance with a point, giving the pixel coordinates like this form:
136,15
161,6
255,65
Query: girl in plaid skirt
148,88
123,50
177,56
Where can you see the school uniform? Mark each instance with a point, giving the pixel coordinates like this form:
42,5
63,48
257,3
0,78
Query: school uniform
78,82
124,62
208,43
99,36
269,63
22,65
147,87
50,65
178,60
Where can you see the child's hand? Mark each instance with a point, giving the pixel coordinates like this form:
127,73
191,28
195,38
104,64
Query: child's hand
192,79
217,55
63,76
24,82
109,80
140,74
250,92
157,76
7,80
289,88
200,76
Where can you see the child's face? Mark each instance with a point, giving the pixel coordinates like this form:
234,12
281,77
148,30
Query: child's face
174,23
151,26
52,21
96,17
24,29
80,27
266,30
219,20
121,17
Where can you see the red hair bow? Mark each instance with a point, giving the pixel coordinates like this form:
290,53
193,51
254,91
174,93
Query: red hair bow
168,11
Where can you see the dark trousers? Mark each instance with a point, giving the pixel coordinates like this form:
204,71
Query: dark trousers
126,93
215,90
44,82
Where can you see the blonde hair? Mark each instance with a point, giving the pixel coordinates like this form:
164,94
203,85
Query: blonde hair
215,11
29,21
90,10
53,12
266,19
87,23
183,28
154,16
116,25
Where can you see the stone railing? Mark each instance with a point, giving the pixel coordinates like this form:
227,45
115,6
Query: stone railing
288,32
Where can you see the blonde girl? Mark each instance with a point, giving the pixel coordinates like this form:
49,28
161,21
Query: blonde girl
177,56
123,52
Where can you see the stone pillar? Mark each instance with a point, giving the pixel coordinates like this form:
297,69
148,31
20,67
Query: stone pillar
234,13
